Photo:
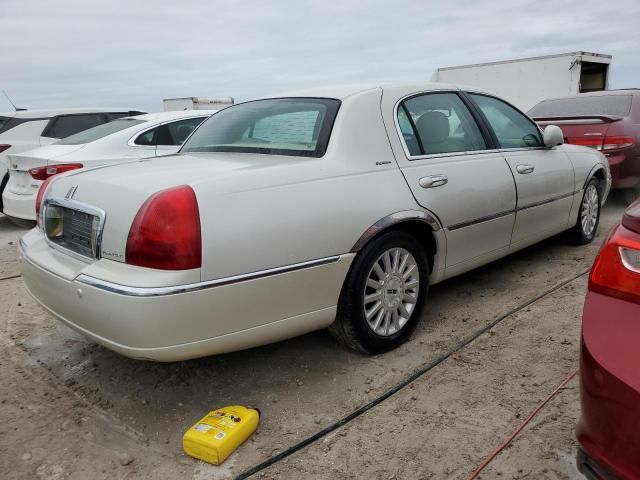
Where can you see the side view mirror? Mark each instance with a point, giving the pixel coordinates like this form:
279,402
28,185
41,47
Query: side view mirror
553,136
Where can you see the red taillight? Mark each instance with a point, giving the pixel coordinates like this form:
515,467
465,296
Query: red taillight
42,173
607,144
4,146
165,233
616,270
40,197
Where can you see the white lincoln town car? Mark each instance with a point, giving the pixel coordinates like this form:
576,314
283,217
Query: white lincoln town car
332,208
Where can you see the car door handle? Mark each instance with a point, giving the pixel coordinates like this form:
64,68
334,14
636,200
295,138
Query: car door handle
525,168
433,181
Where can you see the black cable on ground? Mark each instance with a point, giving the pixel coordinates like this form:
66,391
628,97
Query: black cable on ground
11,277
410,379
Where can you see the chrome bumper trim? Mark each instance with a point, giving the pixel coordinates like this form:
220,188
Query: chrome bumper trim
192,287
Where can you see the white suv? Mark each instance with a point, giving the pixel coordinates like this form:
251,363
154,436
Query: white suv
27,129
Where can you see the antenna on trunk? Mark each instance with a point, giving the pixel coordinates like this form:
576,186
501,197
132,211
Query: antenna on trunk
12,104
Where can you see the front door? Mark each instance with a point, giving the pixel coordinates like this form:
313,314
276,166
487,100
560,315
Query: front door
453,172
544,176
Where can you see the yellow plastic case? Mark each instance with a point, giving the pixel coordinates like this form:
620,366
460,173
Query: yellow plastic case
216,435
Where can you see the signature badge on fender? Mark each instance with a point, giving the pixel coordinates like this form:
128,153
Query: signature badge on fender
71,192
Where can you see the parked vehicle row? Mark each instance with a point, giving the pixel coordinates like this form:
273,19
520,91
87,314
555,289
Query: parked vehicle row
335,208
126,138
24,130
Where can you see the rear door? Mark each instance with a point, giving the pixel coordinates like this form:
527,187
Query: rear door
454,171
544,176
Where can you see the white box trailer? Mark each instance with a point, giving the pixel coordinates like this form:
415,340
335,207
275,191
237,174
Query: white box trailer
526,81
196,103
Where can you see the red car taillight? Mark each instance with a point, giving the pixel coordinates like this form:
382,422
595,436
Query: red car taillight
616,270
608,144
4,146
40,197
42,173
165,233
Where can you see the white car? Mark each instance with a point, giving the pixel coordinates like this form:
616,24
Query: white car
335,208
128,138
28,129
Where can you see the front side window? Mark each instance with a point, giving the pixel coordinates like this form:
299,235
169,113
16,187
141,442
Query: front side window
437,123
512,128
283,126
101,131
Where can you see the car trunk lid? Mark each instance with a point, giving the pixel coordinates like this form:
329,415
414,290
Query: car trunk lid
586,130
120,190
20,182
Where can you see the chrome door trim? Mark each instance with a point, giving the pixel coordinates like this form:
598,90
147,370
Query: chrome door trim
474,221
393,219
549,200
193,287
468,223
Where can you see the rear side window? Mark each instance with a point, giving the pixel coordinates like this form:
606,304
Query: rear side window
617,105
438,123
3,122
180,130
101,131
67,125
513,128
282,126
170,134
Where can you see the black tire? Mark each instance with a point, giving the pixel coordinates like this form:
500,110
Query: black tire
577,233
3,184
351,326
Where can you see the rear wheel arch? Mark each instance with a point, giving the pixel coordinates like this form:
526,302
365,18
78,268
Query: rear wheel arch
419,224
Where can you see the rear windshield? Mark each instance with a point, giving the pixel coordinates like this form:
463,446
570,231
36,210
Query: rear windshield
3,121
618,105
283,126
99,132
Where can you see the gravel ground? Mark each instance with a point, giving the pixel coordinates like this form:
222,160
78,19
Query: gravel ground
72,409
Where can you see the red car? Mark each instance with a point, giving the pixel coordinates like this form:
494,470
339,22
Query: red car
609,427
608,121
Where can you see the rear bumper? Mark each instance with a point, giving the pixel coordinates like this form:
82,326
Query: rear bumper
161,324
19,206
609,426
591,469
625,170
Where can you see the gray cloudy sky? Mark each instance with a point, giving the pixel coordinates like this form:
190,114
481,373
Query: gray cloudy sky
135,53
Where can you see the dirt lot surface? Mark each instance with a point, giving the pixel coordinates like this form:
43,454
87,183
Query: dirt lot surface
70,409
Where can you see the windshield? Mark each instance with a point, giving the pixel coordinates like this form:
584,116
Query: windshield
99,132
283,126
618,105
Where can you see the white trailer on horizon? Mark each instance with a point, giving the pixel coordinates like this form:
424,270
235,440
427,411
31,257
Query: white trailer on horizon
196,103
526,81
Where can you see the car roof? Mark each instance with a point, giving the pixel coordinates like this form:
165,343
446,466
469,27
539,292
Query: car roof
51,112
162,116
342,92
